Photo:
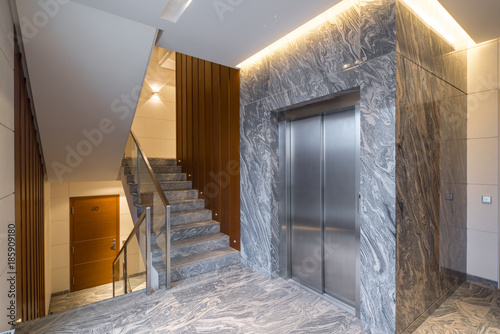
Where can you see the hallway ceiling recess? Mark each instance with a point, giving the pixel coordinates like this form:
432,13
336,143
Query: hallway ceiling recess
85,68
229,31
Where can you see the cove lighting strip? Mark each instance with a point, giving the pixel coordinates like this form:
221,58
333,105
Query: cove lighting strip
330,15
430,11
438,18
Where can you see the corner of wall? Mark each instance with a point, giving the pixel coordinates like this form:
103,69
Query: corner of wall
483,163
7,196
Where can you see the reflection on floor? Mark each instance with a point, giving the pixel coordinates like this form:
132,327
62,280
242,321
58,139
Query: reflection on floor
472,309
238,300
232,300
93,295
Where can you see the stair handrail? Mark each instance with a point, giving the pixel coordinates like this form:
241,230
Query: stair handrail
145,217
159,190
150,170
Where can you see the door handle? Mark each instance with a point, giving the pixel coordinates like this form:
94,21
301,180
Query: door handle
113,244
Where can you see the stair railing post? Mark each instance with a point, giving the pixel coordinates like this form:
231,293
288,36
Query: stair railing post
167,242
149,257
113,280
139,199
125,278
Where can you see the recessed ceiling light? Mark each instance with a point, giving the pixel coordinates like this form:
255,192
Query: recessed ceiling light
175,9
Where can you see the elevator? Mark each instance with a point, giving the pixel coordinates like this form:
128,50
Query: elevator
320,201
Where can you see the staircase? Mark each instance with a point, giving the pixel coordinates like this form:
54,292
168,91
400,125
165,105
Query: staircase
197,245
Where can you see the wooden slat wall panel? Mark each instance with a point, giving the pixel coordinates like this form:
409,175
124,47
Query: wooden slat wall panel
234,152
208,143
29,188
208,132
202,160
178,114
224,145
196,125
214,189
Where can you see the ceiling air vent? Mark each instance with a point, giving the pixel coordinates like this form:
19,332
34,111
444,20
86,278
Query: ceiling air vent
175,9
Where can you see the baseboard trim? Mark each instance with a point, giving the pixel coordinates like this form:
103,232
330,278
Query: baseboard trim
482,281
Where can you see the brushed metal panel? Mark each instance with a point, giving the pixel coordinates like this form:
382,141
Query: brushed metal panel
305,200
340,205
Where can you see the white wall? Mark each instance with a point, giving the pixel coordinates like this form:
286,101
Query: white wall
154,121
7,200
60,218
483,161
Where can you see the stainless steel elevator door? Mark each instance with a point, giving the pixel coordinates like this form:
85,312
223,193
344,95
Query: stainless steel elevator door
340,205
305,200
323,196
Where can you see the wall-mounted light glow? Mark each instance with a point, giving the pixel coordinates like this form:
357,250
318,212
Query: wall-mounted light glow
156,96
430,11
438,18
330,15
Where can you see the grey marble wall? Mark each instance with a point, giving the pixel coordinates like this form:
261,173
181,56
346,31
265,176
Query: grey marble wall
431,161
354,50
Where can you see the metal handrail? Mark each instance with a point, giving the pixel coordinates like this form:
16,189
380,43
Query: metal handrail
151,172
142,156
145,217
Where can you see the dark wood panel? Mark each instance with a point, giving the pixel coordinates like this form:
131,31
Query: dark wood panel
202,160
214,189
208,134
94,217
92,274
94,224
234,156
224,149
178,107
196,125
94,250
189,125
184,89
29,204
208,143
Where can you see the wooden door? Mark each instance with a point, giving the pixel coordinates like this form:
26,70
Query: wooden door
95,231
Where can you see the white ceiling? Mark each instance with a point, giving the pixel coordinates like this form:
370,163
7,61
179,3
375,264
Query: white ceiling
82,62
90,53
246,27
479,18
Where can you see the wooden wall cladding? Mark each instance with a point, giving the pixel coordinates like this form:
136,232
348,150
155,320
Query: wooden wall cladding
29,188
208,137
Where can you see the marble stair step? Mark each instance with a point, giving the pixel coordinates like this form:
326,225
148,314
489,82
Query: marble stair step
165,186
203,262
162,162
183,235
156,169
192,246
152,162
186,217
193,230
180,195
181,206
165,177
176,195
187,205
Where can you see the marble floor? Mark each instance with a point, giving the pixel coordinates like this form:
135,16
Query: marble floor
93,295
232,300
238,300
472,309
